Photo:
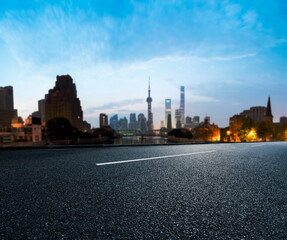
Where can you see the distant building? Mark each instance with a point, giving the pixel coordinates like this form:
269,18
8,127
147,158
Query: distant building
161,124
123,124
196,121
167,110
142,124
177,118
7,111
62,102
133,122
207,119
169,123
31,131
150,117
283,120
207,132
41,109
103,120
256,114
182,104
268,117
114,122
188,122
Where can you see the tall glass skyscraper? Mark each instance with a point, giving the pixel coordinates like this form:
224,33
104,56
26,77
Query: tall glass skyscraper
182,105
167,110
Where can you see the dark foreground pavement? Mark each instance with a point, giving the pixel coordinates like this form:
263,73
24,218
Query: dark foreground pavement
235,191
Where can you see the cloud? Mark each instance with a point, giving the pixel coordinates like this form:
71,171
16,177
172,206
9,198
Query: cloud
115,105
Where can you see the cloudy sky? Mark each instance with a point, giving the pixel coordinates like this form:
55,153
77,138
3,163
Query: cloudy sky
229,55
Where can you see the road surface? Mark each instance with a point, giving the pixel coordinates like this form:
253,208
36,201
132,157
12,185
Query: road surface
212,191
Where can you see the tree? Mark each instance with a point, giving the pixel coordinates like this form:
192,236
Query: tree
280,133
264,130
61,128
244,131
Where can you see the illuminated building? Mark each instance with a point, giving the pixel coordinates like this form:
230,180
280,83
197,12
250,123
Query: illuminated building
62,102
150,120
167,110
103,120
207,132
177,118
7,111
31,131
182,103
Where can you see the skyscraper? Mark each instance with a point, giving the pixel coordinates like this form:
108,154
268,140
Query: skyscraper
182,103
62,102
167,110
6,98
169,124
177,118
7,111
114,123
142,124
149,100
133,122
103,120
41,109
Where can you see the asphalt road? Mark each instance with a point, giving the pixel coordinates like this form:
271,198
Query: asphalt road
214,191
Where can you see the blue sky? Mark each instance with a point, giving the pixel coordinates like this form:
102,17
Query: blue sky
229,55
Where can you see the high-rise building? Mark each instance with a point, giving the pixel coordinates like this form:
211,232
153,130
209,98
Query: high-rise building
142,124
188,122
167,110
283,120
161,124
41,109
7,111
114,122
133,122
6,98
207,119
150,120
182,103
196,121
62,102
169,124
123,124
177,118
103,120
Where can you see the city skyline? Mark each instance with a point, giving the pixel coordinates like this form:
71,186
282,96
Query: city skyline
226,67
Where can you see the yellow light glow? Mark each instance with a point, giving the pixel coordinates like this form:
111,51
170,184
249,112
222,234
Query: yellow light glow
228,132
252,136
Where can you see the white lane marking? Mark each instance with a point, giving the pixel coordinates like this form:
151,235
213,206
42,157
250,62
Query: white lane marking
259,145
151,158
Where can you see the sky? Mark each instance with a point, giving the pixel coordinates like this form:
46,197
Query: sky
229,55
